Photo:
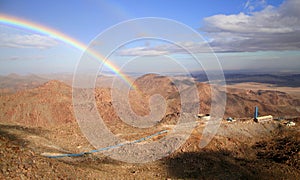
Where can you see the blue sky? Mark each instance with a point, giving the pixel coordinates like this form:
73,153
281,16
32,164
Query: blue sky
245,34
85,19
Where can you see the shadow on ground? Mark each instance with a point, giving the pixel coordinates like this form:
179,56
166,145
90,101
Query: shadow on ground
222,165
208,165
6,132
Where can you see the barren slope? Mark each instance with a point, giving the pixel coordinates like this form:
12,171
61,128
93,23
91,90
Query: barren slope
51,103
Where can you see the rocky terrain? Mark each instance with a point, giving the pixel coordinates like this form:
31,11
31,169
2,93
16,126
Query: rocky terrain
51,102
14,82
241,150
41,120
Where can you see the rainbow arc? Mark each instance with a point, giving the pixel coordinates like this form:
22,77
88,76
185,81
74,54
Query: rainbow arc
25,24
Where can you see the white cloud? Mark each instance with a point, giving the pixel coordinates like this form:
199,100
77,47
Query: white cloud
269,29
166,49
23,58
142,51
26,41
252,5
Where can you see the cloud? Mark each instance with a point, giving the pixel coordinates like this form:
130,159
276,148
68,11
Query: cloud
23,58
273,28
166,49
26,41
141,51
252,5
269,29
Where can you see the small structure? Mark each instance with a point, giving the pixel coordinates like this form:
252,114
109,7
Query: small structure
279,119
264,118
256,118
230,119
204,116
291,123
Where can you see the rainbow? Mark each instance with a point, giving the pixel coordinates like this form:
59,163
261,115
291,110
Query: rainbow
21,23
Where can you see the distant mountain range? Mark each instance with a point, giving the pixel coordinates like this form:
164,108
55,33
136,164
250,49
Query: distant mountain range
286,80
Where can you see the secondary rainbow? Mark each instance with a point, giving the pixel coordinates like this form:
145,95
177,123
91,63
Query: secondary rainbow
17,22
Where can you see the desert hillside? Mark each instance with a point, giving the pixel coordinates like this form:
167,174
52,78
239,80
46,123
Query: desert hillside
240,150
40,120
51,102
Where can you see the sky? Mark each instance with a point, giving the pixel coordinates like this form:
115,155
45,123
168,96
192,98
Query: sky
255,35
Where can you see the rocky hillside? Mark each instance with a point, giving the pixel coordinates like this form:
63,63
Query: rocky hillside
239,150
14,82
51,103
47,104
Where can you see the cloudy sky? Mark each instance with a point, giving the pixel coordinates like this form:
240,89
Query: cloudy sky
255,35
